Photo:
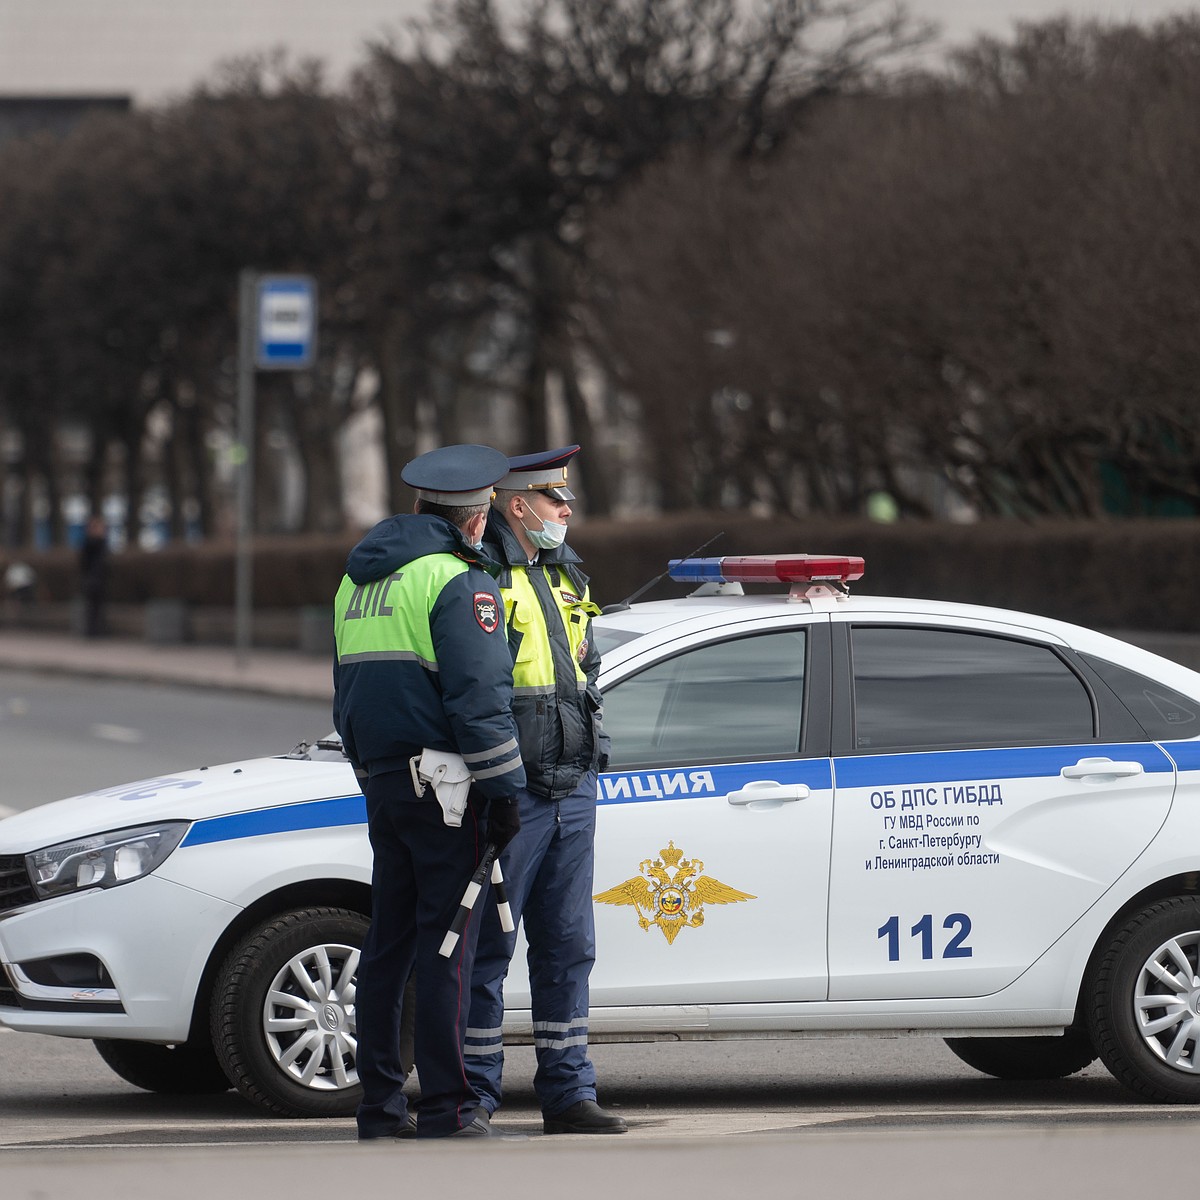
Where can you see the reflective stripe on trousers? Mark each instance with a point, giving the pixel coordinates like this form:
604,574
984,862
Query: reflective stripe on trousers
548,866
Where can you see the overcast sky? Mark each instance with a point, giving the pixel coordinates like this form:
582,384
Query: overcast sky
155,48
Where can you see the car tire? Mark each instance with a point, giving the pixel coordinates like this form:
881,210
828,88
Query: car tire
1051,1057
295,1059
1144,1002
187,1069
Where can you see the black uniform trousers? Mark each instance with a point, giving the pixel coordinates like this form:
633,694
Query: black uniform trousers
421,867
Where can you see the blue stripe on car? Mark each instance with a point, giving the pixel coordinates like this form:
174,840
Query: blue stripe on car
1185,754
681,783
290,818
985,766
678,783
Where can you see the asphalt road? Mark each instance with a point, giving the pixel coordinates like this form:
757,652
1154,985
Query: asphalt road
834,1117
61,736
58,1092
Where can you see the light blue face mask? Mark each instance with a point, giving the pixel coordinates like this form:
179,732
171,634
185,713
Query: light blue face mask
550,535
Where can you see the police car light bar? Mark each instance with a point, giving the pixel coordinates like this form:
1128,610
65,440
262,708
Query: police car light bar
767,568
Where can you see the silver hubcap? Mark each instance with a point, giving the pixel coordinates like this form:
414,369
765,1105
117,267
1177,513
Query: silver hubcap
1166,1003
308,1018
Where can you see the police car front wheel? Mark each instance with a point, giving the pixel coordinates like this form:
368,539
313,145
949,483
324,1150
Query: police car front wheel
187,1069
283,1013
1145,1002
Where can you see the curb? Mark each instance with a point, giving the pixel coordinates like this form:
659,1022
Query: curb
268,673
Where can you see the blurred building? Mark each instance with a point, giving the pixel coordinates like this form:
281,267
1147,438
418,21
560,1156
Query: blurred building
159,49
21,115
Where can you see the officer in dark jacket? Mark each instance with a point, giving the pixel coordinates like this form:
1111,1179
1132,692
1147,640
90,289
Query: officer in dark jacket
422,663
548,865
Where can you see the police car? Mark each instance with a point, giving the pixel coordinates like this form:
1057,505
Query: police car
824,813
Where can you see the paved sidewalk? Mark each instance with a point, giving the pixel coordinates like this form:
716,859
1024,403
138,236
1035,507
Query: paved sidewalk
270,672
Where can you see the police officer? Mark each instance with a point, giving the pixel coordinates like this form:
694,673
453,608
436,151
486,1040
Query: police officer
548,865
422,663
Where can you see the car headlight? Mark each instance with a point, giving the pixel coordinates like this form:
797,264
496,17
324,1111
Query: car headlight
103,860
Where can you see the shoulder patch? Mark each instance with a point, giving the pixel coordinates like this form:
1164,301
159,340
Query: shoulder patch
487,612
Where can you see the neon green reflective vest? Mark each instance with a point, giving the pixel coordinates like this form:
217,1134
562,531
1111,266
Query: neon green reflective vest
390,616
555,701
529,633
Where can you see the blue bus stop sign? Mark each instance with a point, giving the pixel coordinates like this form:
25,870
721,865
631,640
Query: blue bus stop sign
286,336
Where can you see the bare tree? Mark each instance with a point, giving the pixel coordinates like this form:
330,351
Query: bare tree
495,143
121,246
981,284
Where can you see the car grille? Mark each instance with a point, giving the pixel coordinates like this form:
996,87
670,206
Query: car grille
15,888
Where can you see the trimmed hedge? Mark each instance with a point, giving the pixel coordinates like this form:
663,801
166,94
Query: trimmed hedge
289,572
1115,574
1128,574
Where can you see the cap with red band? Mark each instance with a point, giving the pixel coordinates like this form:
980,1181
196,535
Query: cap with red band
542,472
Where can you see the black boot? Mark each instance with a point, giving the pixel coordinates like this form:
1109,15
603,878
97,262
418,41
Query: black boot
480,1126
585,1117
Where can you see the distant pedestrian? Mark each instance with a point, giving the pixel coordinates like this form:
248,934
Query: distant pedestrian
93,570
20,581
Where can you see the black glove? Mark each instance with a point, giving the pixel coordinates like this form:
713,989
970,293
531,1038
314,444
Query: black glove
503,822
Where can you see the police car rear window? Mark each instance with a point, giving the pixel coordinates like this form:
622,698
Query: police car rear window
938,688
1164,714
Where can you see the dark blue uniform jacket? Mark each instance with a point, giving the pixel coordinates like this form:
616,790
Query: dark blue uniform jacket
388,705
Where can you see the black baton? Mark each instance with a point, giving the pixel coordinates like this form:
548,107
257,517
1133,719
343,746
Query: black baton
506,921
467,903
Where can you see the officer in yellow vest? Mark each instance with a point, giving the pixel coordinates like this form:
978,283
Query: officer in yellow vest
423,665
548,865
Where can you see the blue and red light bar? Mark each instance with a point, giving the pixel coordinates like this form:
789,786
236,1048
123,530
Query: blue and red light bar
767,568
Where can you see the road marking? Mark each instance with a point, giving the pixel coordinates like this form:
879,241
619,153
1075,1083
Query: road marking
118,733
113,1146
675,1125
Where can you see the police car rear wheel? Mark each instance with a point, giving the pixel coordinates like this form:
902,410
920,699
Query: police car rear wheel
283,1013
1145,1002
187,1069
1053,1057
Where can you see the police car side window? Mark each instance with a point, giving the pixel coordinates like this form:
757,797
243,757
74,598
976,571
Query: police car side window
1164,714
922,688
728,700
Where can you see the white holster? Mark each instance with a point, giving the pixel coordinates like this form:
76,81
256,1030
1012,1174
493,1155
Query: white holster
450,778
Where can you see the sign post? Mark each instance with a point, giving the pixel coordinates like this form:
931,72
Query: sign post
277,331
287,323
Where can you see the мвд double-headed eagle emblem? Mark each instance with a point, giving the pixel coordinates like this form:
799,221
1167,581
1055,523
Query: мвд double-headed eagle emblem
671,893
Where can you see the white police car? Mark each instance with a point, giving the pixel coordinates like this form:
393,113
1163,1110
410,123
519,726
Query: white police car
823,813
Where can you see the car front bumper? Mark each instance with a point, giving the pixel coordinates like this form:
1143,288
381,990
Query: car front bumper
69,966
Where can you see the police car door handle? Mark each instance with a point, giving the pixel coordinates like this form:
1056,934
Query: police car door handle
768,789
1101,768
